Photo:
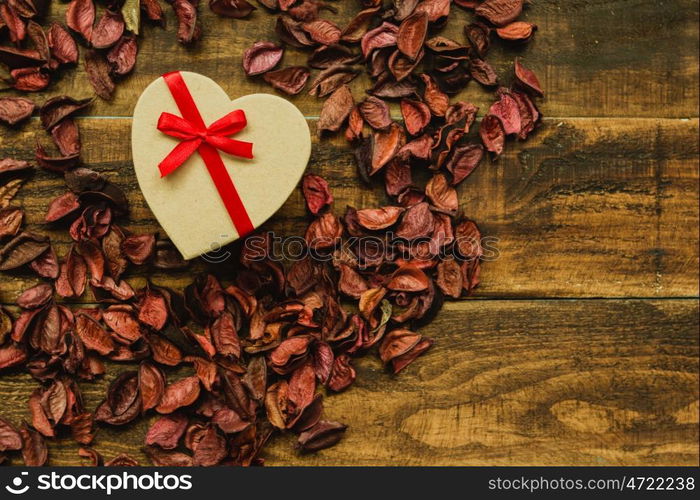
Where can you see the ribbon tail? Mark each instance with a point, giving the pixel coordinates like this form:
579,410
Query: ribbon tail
233,147
178,156
227,191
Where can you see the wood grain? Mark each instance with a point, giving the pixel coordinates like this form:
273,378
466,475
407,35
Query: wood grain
595,58
585,208
586,382
601,202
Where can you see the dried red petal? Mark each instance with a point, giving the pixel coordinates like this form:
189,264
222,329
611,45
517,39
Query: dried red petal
500,12
527,80
108,30
261,57
411,34
316,193
15,109
290,80
416,115
80,17
492,134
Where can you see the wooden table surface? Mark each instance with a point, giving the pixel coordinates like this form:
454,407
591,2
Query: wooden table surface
581,345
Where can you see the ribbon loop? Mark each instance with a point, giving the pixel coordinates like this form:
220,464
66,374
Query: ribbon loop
196,136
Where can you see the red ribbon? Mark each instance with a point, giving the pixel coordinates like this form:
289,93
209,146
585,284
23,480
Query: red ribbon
196,136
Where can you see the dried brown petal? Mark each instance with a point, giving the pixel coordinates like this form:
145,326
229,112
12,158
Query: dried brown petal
15,109
436,9
468,239
416,115
46,265
11,165
108,30
167,431
375,112
441,194
331,79
518,31
62,45
385,145
500,12
98,70
11,355
381,36
507,110
179,394
151,385
211,448
35,296
378,218
482,72
463,161
343,374
34,450
449,278
358,25
10,221
411,34
9,436
58,108
527,80
437,101
66,136
396,343
80,17
93,335
327,56
139,248
290,80
188,29
22,249
261,57
335,110
122,57
30,79
322,435
316,193
236,9
322,31
492,134
72,276
417,222
153,310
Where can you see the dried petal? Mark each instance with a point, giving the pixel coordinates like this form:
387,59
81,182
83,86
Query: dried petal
290,80
500,12
15,109
261,57
316,193
492,134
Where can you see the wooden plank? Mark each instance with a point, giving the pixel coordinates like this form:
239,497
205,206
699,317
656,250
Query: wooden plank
563,382
586,208
596,58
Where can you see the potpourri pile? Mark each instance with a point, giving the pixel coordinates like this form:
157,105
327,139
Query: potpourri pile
263,341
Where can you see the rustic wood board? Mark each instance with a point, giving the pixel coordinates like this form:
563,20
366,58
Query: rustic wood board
595,58
581,346
597,382
585,208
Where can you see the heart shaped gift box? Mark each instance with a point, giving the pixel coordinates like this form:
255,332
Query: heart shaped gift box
202,206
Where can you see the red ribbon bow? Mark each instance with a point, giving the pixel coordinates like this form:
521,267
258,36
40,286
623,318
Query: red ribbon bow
196,136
